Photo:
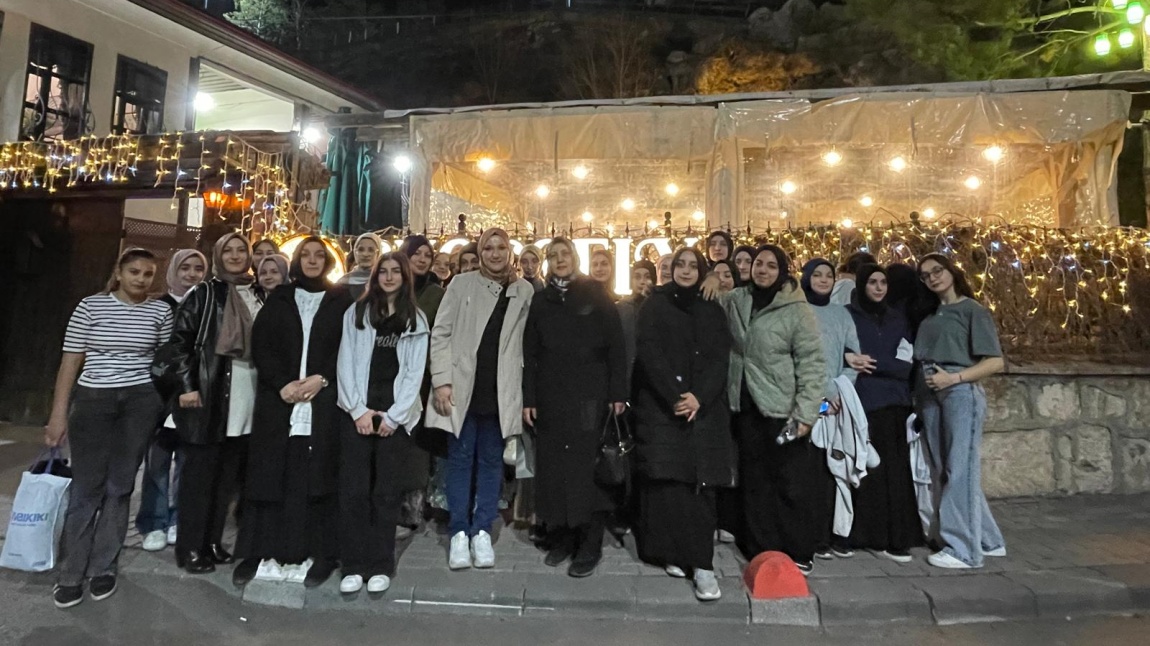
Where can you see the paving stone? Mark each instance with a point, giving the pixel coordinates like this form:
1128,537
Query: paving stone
396,600
469,592
872,600
1136,578
595,596
668,598
968,599
275,593
1075,592
795,611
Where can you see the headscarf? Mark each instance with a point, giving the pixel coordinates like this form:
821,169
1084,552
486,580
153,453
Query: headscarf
295,271
281,262
817,300
762,297
562,284
358,275
651,269
860,298
505,275
235,337
412,244
535,251
685,297
730,263
750,251
730,245
610,263
180,257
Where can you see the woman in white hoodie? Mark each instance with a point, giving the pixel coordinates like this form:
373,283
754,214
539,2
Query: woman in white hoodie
381,362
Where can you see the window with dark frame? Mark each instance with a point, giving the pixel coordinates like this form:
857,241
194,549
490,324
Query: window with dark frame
138,105
56,90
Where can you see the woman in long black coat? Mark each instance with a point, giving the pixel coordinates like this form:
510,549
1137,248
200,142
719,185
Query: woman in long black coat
291,509
685,450
574,377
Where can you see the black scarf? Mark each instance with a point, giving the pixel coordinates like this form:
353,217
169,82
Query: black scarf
762,297
813,298
683,297
312,285
423,281
860,298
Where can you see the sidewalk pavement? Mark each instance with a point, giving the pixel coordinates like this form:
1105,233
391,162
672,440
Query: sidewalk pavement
1067,558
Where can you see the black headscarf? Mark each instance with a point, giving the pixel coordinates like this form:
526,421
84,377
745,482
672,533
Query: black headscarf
860,298
650,267
762,297
730,263
685,297
808,272
750,251
412,244
730,245
305,283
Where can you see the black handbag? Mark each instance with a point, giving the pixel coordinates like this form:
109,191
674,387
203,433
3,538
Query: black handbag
613,466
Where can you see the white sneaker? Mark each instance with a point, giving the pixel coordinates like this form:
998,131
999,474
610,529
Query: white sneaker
896,557
944,560
706,586
155,541
378,583
172,535
675,571
1001,551
459,557
351,584
482,554
725,537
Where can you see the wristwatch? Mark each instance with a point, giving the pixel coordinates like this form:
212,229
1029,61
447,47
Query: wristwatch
323,381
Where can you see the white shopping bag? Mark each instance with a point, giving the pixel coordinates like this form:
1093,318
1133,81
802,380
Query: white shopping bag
37,520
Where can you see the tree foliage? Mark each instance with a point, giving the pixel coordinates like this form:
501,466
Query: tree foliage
276,21
738,66
611,60
990,39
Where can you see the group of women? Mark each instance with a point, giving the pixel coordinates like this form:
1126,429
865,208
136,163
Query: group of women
312,407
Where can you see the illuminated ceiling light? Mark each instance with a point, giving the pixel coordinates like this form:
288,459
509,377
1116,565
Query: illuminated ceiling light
788,187
485,164
628,204
653,224
832,158
929,213
1126,39
972,182
993,154
204,102
1135,13
542,191
312,135
587,217
847,223
898,164
672,189
866,201
580,172
1102,44
698,216
402,163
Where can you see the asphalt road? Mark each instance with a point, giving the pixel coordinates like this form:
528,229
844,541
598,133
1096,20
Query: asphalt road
173,612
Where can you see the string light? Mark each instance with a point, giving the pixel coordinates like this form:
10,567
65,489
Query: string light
898,164
628,204
671,189
832,158
788,187
485,164
580,172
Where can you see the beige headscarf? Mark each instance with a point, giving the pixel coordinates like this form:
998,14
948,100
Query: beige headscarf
503,277
235,338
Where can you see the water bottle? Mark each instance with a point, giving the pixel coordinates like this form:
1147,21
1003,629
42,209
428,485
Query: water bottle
789,434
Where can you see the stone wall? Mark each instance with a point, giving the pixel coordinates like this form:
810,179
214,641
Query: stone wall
1051,432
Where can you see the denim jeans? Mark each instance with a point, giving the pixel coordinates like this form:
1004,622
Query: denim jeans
160,483
477,454
953,419
108,430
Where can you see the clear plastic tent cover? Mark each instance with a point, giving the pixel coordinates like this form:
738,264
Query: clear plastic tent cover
1043,158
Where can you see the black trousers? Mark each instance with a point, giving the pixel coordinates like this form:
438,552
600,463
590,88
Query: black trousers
778,492
677,524
886,512
208,484
369,501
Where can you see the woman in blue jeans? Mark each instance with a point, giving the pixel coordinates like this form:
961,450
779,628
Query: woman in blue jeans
107,415
477,374
957,346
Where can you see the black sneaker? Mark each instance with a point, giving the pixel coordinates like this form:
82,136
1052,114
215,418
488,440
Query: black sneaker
101,587
66,596
824,554
842,551
806,567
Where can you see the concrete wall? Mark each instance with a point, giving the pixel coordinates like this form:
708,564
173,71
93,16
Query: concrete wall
1055,434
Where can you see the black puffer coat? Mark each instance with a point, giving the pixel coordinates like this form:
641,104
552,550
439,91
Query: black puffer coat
681,351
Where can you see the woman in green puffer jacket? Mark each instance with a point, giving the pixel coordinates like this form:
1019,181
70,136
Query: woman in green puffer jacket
777,373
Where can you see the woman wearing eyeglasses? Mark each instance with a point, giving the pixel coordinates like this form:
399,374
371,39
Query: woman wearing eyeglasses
957,346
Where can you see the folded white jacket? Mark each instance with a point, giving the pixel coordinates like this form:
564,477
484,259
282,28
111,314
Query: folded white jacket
921,472
354,370
845,438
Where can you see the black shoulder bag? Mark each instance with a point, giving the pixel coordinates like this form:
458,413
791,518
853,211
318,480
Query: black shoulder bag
613,466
